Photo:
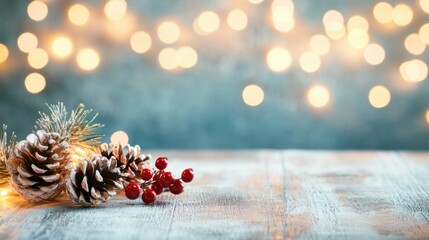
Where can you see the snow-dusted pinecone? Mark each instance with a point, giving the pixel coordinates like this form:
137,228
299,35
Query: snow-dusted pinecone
94,181
130,159
39,166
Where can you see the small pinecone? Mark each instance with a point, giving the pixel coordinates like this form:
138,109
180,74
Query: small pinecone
130,159
94,181
39,166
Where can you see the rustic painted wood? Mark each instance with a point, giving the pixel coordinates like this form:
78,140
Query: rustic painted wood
253,195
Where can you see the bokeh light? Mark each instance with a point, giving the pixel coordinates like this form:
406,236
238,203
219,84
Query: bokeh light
424,4
88,59
186,57
424,33
318,96
374,54
208,22
383,12
402,14
379,96
119,137
27,42
320,44
37,10
237,19
35,83
427,116
37,58
358,22
78,14
140,42
115,10
256,1
167,58
279,59
334,24
62,46
168,32
309,62
253,95
283,15
414,44
358,38
4,53
413,71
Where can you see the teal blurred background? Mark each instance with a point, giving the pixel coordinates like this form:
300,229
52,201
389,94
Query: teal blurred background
203,104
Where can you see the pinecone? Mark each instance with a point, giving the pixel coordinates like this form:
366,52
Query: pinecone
39,166
130,160
94,180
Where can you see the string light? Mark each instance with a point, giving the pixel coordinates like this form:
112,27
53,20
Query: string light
424,33
62,46
4,192
27,42
167,58
374,54
168,32
237,20
140,42
37,10
414,71
119,137
253,95
4,53
208,22
309,62
424,4
279,59
35,83
88,59
414,44
320,44
115,10
379,96
186,57
318,96
383,12
37,58
402,14
78,14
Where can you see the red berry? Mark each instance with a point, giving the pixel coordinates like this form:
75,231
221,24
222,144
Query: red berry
176,187
157,188
132,191
146,174
161,163
157,175
148,196
166,179
188,175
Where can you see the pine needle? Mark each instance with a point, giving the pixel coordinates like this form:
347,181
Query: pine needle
6,150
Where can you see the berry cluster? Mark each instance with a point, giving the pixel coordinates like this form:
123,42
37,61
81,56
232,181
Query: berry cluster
157,181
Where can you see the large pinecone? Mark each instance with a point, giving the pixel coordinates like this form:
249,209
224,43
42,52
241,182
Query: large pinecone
39,166
130,159
94,181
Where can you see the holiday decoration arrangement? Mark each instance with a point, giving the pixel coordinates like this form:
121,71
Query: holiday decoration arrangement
64,154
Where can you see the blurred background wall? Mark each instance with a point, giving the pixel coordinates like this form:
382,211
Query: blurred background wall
333,74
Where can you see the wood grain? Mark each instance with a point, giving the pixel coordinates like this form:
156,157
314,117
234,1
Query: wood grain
253,195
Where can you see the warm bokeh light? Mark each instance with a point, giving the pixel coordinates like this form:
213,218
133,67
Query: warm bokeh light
358,39
279,59
358,22
35,83
402,14
237,19
282,15
320,44
119,137
253,95
427,116
167,58
78,14
115,10
318,96
256,1
309,62
336,34
88,59
374,54
37,58
186,57
168,32
37,10
414,44
140,42
4,53
379,96
333,20
424,33
383,12
208,22
4,192
414,71
62,46
424,4
27,42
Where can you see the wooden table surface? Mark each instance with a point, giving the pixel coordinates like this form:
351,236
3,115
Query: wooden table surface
253,195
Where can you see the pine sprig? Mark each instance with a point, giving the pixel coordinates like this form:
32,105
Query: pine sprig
78,128
6,150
